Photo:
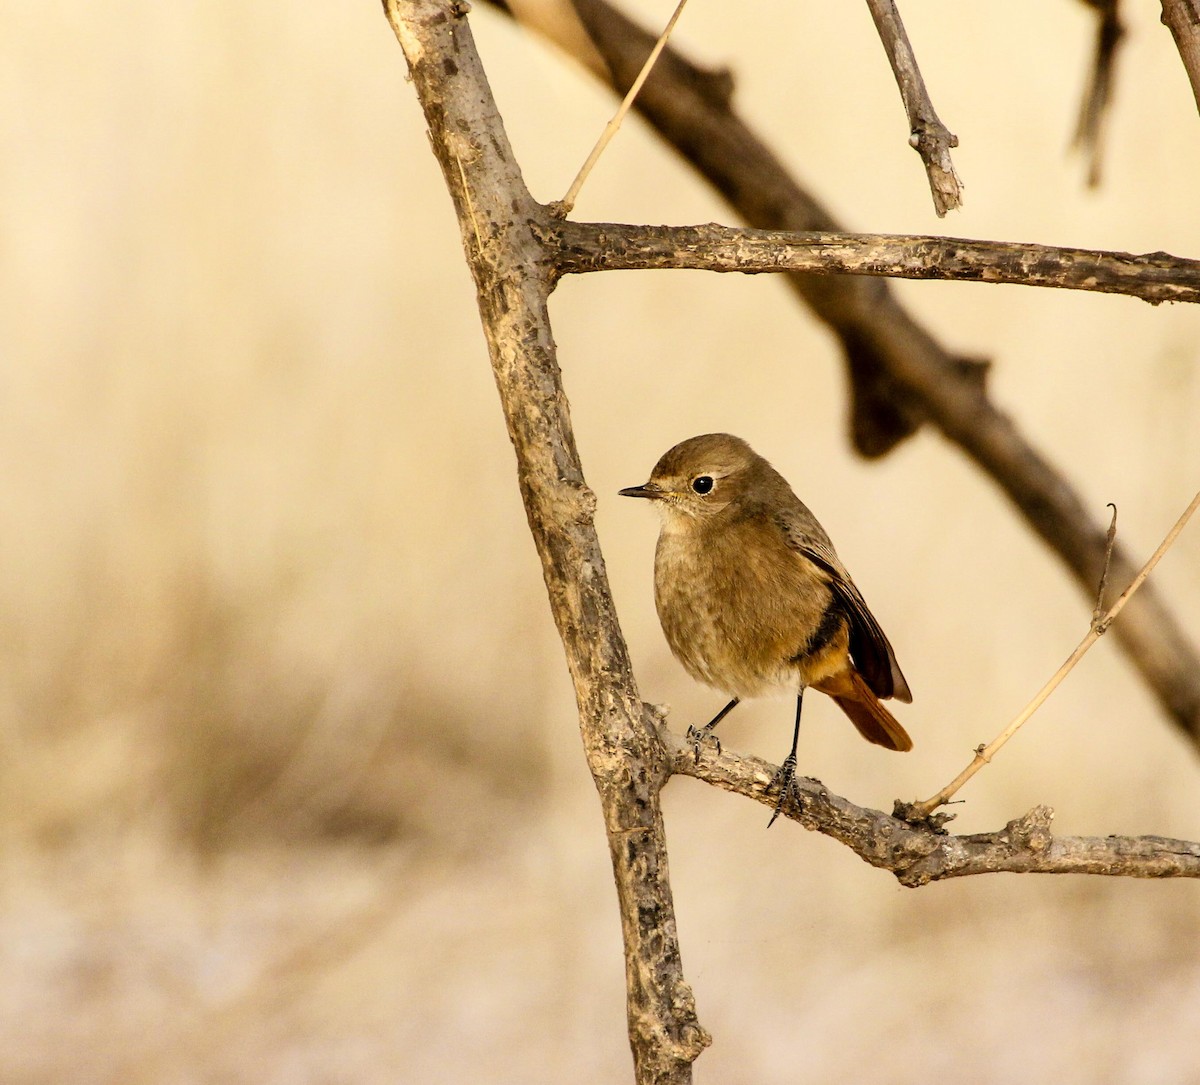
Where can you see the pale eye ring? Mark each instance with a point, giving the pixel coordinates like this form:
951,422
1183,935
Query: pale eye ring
702,484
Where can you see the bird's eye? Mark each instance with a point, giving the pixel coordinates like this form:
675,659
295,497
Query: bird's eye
703,484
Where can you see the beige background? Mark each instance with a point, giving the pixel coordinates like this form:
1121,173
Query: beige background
290,781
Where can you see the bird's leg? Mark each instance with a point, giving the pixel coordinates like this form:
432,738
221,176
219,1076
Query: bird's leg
697,736
785,777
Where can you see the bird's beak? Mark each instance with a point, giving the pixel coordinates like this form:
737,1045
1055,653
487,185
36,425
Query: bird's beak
648,490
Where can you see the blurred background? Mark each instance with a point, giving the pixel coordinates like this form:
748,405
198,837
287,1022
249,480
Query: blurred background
291,789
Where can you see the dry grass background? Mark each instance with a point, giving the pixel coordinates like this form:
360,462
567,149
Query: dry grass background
290,784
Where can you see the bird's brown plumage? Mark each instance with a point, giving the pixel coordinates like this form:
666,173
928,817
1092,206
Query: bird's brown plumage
751,593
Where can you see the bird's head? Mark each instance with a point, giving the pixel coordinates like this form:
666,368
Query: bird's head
701,477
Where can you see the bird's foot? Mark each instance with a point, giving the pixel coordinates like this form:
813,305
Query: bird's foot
698,736
785,780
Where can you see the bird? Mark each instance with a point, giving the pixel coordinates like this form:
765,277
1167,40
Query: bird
754,600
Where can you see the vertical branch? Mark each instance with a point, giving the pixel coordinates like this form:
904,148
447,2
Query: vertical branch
930,138
1182,18
513,279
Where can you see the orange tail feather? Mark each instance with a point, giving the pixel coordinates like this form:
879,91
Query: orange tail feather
874,722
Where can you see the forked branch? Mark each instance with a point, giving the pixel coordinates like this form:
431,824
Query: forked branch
627,761
504,233
920,854
900,375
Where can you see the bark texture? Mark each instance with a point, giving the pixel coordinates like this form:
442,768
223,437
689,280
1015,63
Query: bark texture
1154,277
496,215
918,854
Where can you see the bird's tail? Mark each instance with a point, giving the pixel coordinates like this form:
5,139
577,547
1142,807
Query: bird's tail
874,722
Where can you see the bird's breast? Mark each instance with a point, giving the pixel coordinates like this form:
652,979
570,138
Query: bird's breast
739,607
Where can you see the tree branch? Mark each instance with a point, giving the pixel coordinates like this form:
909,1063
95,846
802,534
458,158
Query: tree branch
930,138
900,375
627,761
512,246
1182,18
1155,277
918,854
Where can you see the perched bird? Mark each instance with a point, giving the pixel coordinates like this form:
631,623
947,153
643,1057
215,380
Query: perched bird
753,598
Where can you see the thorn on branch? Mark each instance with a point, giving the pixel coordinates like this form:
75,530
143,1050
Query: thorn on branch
1098,623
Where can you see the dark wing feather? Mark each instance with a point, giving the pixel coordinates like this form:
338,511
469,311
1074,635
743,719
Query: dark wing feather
872,653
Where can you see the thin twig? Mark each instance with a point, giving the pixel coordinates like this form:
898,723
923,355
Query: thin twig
1109,542
984,754
1182,18
930,138
1153,277
567,203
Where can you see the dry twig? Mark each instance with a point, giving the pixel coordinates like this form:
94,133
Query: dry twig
920,854
567,204
1110,542
623,750
1154,277
984,754
928,136
1182,18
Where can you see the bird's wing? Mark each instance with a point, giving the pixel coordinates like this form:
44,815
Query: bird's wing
872,652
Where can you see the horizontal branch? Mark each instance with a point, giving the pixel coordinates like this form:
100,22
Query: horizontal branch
1154,277
917,854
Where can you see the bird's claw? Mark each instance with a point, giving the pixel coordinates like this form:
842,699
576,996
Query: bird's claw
785,780
697,736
